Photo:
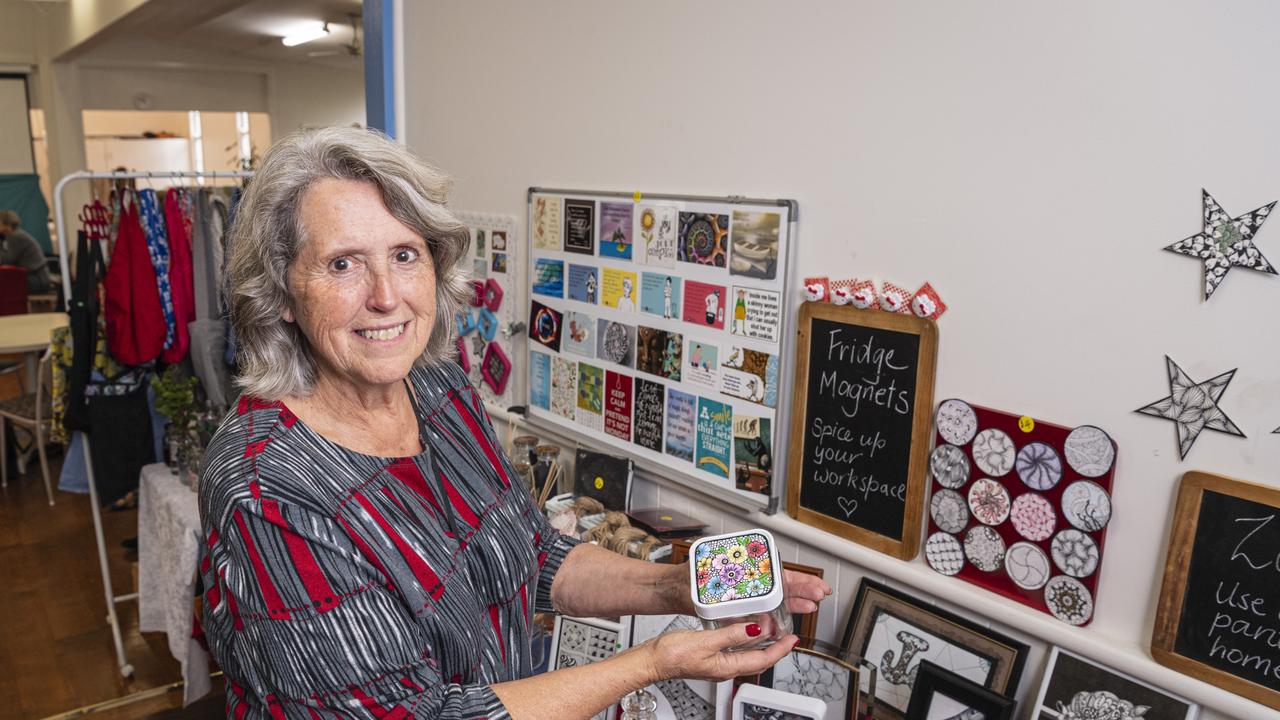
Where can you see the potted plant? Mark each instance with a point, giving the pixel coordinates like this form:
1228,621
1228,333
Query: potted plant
176,400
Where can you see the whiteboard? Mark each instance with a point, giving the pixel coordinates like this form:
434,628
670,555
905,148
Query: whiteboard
657,326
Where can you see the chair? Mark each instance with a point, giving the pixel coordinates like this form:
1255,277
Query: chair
32,411
13,290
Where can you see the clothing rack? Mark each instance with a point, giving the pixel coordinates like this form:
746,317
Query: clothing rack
113,619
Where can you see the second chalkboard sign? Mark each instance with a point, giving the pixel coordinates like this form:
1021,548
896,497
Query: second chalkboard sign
860,424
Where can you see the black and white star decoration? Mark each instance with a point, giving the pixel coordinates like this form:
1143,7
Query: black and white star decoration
1193,406
1225,242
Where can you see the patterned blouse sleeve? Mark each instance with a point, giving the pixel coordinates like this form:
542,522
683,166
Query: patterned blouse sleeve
314,627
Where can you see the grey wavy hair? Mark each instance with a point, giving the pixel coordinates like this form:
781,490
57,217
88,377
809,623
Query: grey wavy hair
274,357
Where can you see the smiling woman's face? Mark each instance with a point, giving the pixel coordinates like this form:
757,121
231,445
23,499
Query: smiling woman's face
363,286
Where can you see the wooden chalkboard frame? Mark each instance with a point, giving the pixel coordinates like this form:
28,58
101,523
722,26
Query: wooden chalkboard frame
1177,568
907,546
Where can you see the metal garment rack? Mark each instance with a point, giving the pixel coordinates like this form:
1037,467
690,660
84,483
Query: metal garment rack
113,618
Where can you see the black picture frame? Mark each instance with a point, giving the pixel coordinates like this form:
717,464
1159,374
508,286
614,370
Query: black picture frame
932,681
877,604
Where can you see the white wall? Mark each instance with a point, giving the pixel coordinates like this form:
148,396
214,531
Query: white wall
15,127
1031,160
308,96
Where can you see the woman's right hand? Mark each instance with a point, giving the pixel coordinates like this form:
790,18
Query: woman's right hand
703,654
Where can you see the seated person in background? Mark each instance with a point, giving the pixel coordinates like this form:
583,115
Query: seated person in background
17,247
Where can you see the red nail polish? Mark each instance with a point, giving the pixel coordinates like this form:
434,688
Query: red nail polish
753,630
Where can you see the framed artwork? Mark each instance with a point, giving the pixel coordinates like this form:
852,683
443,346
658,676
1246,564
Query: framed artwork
805,626
1076,688
896,632
677,699
943,695
817,675
582,641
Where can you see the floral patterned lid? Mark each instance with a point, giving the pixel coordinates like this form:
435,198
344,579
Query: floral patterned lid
737,566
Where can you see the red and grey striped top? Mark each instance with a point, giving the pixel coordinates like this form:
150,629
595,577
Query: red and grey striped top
341,585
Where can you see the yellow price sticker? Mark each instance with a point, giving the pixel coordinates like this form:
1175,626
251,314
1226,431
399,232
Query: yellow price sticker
636,196
1026,424
599,482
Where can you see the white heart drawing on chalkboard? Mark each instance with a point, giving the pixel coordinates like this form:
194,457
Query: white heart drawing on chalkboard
848,506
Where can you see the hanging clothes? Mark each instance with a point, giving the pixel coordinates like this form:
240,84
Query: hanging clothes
209,330
180,287
83,311
134,319
158,249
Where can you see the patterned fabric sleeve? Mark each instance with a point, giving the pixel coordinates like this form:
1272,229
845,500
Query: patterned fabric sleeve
316,630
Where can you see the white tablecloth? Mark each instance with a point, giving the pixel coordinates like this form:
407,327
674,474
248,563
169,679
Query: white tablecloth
168,554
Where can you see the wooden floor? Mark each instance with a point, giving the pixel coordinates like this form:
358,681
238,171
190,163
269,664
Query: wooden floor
56,653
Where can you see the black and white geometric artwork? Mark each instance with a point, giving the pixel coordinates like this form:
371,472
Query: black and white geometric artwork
1076,688
1225,242
1193,406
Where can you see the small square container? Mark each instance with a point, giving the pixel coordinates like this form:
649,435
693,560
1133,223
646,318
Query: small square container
737,577
753,701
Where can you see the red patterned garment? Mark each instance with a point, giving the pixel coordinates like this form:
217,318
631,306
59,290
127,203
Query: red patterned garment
341,585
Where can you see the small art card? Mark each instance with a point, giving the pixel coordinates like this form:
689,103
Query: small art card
757,314
1076,687
656,236
647,424
701,366
755,244
615,230
752,453
616,342
658,352
617,405
703,238
715,436
590,411
750,375
681,428
545,325
564,387
546,223
540,380
581,641
580,226
618,290
704,304
580,334
660,295
584,283
548,277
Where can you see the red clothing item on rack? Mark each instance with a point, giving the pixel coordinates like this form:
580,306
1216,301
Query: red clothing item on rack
135,322
181,290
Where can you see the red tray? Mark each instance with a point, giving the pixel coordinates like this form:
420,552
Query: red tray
1055,436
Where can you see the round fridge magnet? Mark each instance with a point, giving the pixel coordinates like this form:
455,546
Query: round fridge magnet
1086,505
1075,553
943,553
1039,466
1089,451
1027,566
957,422
1033,516
949,465
949,511
989,501
1069,600
984,548
993,451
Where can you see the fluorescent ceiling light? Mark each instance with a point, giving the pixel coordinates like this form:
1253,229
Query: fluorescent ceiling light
307,35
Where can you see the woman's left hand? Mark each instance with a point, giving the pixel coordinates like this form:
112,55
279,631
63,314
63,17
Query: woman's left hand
804,591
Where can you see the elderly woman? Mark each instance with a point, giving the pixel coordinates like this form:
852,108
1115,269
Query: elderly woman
370,553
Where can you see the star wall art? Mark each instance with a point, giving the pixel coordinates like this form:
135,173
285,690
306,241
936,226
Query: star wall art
1225,242
1193,406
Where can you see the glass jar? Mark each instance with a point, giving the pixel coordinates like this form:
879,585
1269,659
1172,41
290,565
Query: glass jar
549,455
639,705
738,577
523,458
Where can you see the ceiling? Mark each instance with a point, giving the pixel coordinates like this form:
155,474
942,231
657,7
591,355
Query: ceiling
249,29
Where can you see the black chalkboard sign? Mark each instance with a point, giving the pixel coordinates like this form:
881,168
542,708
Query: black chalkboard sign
860,424
1219,613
